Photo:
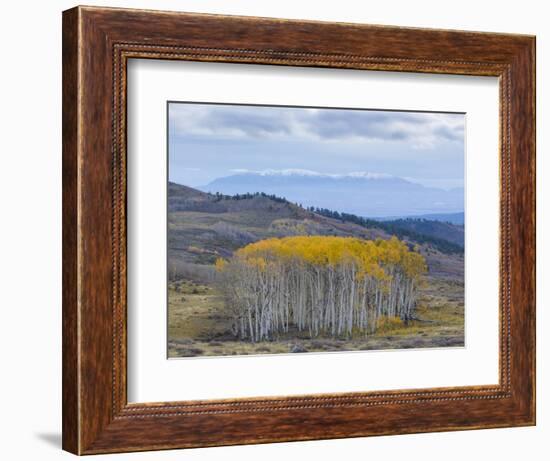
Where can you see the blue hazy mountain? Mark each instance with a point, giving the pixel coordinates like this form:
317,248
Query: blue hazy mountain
453,218
363,194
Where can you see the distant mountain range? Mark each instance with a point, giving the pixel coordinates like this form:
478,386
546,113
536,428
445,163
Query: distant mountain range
362,193
453,218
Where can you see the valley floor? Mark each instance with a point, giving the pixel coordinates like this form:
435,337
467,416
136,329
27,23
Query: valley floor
199,327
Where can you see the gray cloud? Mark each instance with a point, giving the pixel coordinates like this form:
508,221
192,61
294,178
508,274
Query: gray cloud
420,130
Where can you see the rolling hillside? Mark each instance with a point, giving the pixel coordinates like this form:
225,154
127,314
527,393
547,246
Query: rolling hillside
203,227
436,229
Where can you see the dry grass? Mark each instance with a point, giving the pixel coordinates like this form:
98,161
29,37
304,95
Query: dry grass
199,327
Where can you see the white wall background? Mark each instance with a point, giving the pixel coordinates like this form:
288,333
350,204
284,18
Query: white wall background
30,230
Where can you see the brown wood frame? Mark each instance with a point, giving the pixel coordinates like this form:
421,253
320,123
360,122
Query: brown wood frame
97,43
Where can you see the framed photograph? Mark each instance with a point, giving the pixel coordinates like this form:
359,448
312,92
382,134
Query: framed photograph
282,230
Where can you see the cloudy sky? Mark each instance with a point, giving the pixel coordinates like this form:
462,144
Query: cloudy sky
208,141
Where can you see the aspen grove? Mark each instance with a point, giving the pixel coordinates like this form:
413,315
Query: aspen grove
334,286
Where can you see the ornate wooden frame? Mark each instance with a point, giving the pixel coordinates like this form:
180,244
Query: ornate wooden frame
97,43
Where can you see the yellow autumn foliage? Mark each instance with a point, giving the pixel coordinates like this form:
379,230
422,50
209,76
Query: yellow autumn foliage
369,256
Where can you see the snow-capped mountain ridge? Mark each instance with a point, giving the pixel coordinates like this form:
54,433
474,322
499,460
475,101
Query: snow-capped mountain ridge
361,193
311,173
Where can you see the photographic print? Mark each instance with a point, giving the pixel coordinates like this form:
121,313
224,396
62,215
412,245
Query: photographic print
313,229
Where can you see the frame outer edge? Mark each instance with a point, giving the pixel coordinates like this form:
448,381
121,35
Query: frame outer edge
522,250
70,190
533,180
